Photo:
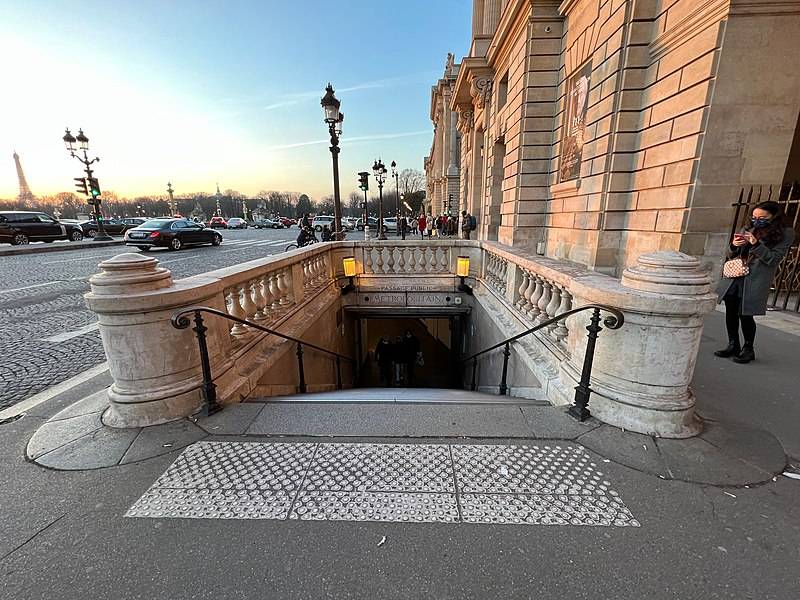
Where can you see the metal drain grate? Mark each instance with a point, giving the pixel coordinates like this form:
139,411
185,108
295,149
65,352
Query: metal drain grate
422,483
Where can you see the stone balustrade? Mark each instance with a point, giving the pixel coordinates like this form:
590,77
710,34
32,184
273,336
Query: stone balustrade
641,372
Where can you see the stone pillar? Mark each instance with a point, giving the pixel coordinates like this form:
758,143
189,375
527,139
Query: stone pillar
477,17
491,16
155,367
642,371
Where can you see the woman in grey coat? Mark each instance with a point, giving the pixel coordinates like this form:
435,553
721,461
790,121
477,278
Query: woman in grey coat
761,247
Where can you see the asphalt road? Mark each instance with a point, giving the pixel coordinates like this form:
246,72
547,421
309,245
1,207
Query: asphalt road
47,334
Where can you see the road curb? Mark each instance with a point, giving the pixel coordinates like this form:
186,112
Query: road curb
14,251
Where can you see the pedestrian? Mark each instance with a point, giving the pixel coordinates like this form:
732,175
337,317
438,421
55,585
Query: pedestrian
466,224
421,224
429,225
397,359
305,221
383,356
410,350
753,257
326,234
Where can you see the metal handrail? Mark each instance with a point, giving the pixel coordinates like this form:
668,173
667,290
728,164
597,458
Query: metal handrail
579,410
181,320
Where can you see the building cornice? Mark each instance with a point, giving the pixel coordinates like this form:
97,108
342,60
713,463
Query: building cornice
765,7
471,69
705,14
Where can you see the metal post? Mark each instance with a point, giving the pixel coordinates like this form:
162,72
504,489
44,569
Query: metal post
473,387
366,216
338,373
301,370
579,409
506,355
381,234
397,200
208,389
337,205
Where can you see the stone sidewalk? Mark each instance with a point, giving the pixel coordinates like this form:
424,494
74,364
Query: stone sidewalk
42,247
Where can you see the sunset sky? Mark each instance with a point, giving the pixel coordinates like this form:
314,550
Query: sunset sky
204,92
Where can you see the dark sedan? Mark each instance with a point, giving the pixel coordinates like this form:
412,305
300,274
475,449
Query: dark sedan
112,227
170,233
22,227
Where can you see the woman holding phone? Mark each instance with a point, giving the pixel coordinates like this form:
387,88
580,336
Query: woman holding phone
760,248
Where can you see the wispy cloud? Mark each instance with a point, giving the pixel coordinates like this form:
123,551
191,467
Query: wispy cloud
356,139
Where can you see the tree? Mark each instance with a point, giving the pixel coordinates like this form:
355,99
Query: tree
325,206
354,202
304,205
411,181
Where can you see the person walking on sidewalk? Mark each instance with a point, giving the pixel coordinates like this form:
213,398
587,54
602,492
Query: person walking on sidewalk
421,225
429,225
384,353
754,255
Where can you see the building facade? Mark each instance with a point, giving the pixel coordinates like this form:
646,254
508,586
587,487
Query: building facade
442,163
599,130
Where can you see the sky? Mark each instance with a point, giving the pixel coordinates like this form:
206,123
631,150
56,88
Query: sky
200,93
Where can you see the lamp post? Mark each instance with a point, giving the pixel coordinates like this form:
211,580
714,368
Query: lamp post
171,199
379,169
89,186
334,118
396,195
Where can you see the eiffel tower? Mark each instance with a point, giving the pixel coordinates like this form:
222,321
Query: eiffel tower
25,196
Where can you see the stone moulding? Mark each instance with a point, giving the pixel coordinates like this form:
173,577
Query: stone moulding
705,14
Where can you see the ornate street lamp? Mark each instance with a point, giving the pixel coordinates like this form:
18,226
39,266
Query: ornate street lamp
89,186
334,118
379,169
396,195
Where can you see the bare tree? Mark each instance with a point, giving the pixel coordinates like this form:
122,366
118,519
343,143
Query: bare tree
324,205
411,181
354,202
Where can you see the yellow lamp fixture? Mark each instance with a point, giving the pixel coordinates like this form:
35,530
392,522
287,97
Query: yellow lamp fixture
349,266
462,270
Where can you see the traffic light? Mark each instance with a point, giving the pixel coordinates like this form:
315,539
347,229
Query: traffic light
80,185
363,180
94,187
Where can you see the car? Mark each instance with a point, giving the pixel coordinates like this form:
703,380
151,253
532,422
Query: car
320,221
217,222
112,227
287,222
133,221
389,224
268,224
237,223
373,224
349,223
22,227
170,233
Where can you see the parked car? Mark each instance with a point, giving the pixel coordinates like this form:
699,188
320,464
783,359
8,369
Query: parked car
21,227
373,224
349,223
133,221
217,222
320,221
112,227
268,224
237,223
170,233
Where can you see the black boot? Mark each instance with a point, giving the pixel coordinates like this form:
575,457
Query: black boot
746,355
732,349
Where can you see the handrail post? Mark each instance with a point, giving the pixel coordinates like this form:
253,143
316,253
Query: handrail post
579,409
506,355
301,370
474,369
208,389
338,373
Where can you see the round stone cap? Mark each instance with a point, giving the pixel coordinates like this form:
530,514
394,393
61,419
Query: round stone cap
667,272
129,273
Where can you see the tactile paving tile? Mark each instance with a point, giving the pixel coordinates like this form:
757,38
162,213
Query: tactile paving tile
423,483
239,466
376,506
546,509
535,469
381,467
212,504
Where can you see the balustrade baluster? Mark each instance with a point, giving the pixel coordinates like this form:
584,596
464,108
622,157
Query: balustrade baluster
379,262
401,263
521,290
561,332
268,297
236,310
390,261
258,299
275,291
368,260
538,290
412,261
422,260
443,262
543,302
526,304
284,286
552,306
324,275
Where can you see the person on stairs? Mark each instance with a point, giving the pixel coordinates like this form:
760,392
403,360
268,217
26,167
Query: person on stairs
758,249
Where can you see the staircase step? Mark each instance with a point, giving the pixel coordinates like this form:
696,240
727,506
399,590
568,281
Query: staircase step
400,396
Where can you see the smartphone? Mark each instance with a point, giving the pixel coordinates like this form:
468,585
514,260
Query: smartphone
739,236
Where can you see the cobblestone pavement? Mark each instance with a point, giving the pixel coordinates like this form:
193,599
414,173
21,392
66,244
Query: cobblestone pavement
41,295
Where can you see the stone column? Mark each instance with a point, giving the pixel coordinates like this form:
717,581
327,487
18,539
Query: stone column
155,367
477,17
642,371
491,16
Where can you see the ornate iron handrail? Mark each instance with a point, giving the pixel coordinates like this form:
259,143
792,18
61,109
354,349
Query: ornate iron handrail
181,320
579,409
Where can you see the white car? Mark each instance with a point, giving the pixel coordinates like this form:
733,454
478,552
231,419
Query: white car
389,224
320,221
237,223
349,223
